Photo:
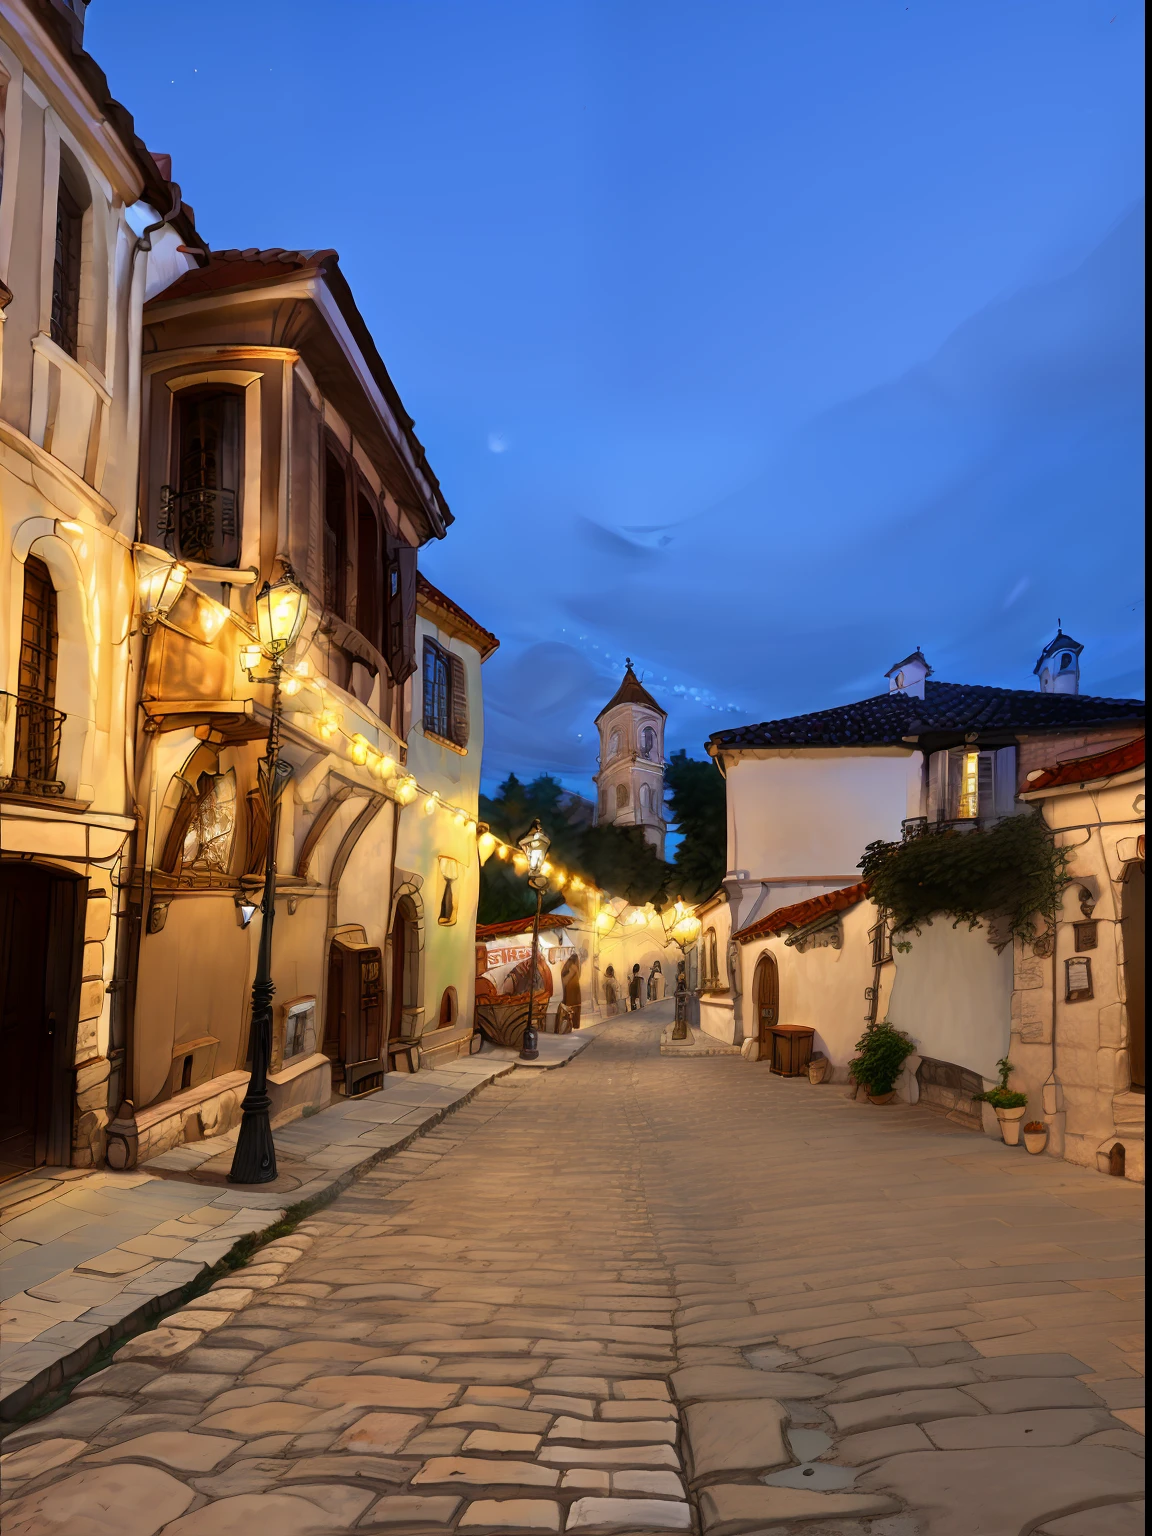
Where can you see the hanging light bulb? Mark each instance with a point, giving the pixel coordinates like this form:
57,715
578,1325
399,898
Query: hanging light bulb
431,803
358,749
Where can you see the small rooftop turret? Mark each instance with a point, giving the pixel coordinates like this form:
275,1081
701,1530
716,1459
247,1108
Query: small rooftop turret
908,676
1058,667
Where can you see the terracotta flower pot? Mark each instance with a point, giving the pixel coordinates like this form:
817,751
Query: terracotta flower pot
1035,1137
881,1098
1010,1124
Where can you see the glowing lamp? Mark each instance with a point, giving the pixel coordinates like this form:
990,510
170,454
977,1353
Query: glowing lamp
604,921
386,767
251,657
290,686
485,845
502,850
159,582
281,609
534,845
358,750
431,803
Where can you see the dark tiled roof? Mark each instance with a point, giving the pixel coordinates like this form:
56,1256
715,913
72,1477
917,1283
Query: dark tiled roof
1083,770
802,912
632,691
516,925
917,655
946,708
485,641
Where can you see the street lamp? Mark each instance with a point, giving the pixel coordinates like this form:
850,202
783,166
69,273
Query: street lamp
281,609
159,581
534,845
682,927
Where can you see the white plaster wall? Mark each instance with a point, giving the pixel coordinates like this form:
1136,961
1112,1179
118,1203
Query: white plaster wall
811,811
953,994
449,956
822,989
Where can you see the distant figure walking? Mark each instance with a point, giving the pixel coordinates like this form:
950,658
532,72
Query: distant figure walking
655,983
611,991
635,989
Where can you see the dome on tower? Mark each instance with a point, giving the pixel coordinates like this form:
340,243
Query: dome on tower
631,691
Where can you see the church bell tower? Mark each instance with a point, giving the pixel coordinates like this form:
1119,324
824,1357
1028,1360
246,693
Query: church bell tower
630,784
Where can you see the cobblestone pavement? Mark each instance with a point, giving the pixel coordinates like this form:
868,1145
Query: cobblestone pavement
641,1295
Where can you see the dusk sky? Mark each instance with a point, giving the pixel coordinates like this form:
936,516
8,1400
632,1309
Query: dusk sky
761,342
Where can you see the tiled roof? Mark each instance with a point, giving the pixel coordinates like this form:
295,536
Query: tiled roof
803,912
632,691
486,642
520,925
889,718
239,269
1083,770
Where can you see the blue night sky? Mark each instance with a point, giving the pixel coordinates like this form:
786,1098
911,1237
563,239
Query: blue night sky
759,341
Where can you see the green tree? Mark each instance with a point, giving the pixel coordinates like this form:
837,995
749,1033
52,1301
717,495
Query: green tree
698,810
617,859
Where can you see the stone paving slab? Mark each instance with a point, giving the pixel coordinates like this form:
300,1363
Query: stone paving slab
498,1330
88,1256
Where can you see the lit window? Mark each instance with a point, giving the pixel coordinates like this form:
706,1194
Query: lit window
969,787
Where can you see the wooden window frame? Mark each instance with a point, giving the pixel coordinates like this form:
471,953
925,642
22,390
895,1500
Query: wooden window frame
67,269
445,706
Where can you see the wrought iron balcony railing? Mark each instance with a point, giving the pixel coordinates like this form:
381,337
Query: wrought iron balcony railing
36,749
199,523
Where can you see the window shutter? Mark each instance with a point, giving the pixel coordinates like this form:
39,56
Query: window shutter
1004,781
938,786
459,731
955,783
400,600
986,786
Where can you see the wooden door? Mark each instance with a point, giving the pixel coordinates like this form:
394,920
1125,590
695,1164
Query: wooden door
355,1002
39,995
766,989
400,942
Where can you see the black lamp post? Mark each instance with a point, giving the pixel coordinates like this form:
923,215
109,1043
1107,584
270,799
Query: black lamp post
280,613
534,845
682,926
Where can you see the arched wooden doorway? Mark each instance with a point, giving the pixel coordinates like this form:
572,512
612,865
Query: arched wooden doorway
766,990
41,939
1132,923
405,967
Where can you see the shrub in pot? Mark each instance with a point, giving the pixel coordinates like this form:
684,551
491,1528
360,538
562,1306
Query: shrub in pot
881,1053
1035,1136
1008,1104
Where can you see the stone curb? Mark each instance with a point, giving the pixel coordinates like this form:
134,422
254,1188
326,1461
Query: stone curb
71,1361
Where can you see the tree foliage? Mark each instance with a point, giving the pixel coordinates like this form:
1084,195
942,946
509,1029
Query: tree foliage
698,807
1011,872
617,859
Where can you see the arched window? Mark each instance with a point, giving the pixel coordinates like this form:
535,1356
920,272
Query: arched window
448,1008
647,742
713,961
613,745
369,570
621,796
208,474
645,798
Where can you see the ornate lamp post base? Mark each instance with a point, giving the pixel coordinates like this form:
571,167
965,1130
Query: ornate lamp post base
254,1161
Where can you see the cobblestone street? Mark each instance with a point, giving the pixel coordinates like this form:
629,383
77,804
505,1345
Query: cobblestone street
641,1295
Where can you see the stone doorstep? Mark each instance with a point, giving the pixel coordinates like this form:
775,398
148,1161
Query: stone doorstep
51,1364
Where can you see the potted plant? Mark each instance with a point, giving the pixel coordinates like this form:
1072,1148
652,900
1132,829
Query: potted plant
1035,1136
1008,1104
881,1053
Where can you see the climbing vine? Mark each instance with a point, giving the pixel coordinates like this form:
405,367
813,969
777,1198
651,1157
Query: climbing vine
1011,873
